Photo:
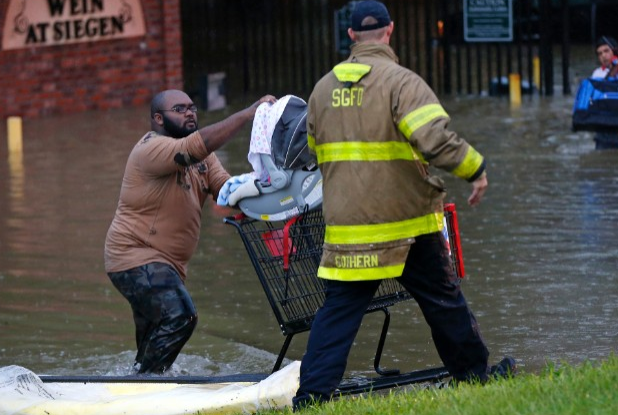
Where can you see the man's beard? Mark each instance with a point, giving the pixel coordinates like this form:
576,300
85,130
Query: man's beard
177,131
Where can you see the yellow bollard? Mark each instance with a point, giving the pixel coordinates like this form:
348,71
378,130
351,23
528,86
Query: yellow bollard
536,72
16,159
14,134
515,88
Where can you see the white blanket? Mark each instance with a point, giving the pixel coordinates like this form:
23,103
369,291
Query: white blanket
23,393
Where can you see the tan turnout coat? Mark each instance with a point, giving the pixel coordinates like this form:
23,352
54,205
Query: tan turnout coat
376,127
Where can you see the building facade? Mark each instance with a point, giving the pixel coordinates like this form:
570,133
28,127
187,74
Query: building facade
67,56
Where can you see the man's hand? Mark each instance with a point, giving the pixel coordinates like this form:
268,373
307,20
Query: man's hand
479,186
265,98
217,134
253,107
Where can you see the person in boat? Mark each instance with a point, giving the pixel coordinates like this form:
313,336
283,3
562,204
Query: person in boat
376,127
169,175
607,51
606,48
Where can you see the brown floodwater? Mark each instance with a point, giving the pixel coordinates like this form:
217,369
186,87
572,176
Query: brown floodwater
541,251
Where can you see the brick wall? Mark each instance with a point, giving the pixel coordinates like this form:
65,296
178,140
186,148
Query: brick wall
43,81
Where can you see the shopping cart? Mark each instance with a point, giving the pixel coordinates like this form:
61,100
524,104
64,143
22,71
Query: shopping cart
286,256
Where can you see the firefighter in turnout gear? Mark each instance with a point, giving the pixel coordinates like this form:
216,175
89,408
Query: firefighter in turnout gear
375,128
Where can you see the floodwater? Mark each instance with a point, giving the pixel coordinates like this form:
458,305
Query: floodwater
541,252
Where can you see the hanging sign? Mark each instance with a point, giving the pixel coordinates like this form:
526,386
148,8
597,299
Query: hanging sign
35,23
488,20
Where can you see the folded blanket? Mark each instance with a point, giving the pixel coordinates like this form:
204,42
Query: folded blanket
231,185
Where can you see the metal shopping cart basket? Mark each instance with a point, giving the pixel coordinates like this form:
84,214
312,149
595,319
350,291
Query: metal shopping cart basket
286,256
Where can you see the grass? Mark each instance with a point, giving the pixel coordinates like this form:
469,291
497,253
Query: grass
590,388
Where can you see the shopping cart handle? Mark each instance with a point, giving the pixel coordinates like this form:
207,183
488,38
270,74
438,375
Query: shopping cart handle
235,218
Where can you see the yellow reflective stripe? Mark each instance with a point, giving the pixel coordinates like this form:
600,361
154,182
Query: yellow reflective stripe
469,165
383,232
362,151
351,72
311,141
418,155
360,274
419,117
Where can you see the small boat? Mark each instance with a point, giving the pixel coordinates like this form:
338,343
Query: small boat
596,105
22,392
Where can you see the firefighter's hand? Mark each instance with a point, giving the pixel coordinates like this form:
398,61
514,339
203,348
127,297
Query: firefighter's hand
479,186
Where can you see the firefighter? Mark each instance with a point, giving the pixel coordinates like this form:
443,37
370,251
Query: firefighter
375,128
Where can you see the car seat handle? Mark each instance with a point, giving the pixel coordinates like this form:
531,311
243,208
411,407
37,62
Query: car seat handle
279,178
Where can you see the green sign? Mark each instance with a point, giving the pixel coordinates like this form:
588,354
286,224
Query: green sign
488,20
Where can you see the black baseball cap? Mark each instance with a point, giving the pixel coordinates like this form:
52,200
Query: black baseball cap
369,8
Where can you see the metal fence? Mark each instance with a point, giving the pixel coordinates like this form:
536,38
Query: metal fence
285,46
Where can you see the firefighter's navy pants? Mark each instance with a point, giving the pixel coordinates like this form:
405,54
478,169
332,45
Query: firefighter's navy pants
163,312
430,279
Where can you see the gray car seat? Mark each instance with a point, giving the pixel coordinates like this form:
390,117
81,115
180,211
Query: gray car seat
295,182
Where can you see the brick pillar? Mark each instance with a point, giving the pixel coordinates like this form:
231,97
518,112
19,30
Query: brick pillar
172,40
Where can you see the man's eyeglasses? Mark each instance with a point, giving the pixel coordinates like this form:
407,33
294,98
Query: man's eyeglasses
181,109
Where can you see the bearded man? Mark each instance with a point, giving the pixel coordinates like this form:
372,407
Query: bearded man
169,174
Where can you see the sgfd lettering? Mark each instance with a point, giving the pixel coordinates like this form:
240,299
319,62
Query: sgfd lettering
348,97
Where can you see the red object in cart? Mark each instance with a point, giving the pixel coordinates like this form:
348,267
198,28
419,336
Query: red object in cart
453,238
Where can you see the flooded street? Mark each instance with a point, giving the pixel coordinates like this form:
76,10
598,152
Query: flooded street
541,252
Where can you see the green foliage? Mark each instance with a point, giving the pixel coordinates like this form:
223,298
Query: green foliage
589,388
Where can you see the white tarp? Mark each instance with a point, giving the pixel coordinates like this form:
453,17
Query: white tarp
23,392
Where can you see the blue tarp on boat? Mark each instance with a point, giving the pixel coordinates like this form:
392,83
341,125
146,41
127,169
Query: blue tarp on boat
596,105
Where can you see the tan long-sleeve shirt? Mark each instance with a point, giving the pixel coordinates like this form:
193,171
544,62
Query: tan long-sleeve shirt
159,211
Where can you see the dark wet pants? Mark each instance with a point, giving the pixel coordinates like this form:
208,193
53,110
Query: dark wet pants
163,312
429,277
